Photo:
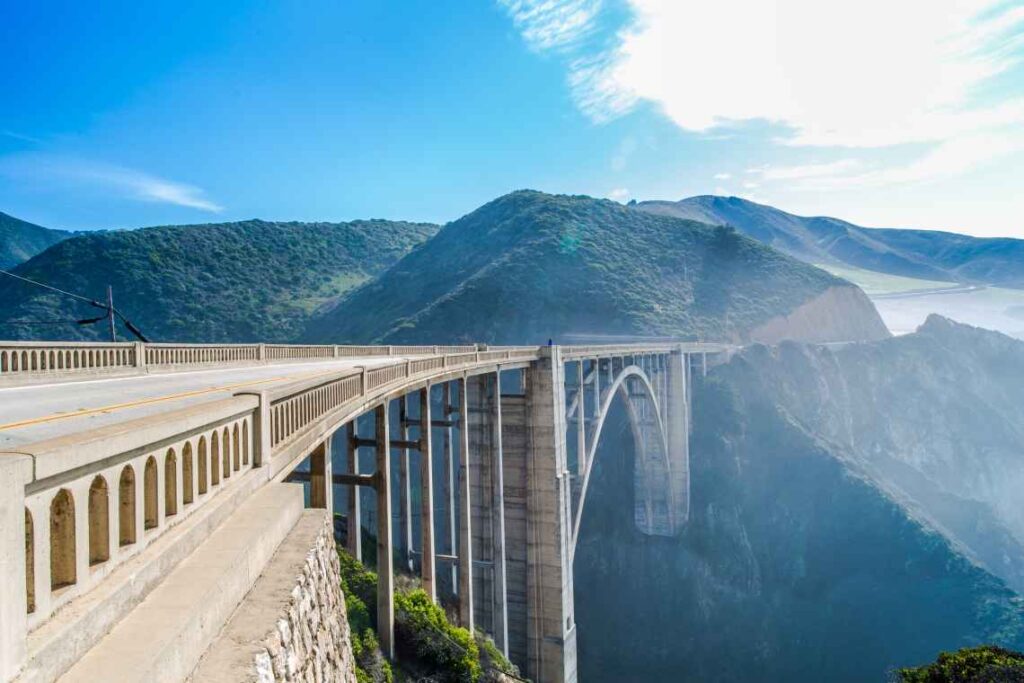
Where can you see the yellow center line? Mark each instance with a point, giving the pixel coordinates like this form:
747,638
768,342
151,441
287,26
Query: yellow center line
119,406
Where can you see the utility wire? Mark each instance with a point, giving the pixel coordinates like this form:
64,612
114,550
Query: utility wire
92,302
42,322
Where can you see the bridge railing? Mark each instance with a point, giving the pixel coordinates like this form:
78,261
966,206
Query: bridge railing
24,358
41,360
98,499
296,407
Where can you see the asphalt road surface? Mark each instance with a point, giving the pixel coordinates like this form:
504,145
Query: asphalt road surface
46,411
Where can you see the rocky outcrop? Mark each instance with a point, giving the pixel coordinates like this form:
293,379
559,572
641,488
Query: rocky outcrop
839,314
293,624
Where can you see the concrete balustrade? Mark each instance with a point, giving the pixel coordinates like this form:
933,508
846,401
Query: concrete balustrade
82,525
22,362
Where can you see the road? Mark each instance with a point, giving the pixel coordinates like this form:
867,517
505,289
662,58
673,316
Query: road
44,411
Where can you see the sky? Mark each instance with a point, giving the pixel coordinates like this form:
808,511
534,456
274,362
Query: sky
888,114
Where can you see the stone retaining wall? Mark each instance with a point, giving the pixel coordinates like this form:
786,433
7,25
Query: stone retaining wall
293,625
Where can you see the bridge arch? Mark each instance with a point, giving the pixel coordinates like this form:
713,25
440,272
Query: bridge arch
630,376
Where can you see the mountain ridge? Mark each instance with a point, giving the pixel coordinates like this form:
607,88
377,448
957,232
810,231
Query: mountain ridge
923,254
550,265
21,240
222,282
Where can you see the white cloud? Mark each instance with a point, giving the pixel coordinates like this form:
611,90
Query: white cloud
124,182
865,74
723,176
553,24
619,194
874,74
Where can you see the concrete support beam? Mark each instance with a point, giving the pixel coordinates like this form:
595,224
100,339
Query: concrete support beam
355,540
15,473
500,634
448,483
487,496
551,628
385,558
465,569
404,485
515,452
321,480
677,424
427,550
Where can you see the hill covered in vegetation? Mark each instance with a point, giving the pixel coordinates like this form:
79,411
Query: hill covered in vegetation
529,267
924,254
20,240
225,282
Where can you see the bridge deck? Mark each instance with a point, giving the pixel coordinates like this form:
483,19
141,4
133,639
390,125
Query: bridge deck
43,411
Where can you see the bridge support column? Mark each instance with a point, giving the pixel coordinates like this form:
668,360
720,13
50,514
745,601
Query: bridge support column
551,624
677,424
465,559
15,472
404,486
487,496
355,530
448,484
321,477
515,453
427,550
385,557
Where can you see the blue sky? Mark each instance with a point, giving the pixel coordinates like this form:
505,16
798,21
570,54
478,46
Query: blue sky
127,114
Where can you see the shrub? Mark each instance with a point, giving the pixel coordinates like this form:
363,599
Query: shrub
986,664
424,634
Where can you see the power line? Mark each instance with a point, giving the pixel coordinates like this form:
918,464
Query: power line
41,322
91,302
109,308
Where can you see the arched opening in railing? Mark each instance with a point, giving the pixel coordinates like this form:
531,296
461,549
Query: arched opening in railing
245,443
151,516
236,449
99,522
170,483
126,506
186,473
215,457
30,563
203,465
227,453
62,540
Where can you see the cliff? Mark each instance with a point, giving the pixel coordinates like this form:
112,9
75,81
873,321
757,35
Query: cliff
852,511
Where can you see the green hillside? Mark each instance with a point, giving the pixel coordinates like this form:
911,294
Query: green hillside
247,281
20,240
531,266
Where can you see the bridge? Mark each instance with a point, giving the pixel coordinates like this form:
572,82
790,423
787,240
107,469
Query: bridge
145,488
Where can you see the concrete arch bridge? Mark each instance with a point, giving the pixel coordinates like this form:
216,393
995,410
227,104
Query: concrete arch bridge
146,488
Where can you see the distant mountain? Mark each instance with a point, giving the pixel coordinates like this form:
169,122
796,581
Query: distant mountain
531,266
20,240
924,254
854,508
226,282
